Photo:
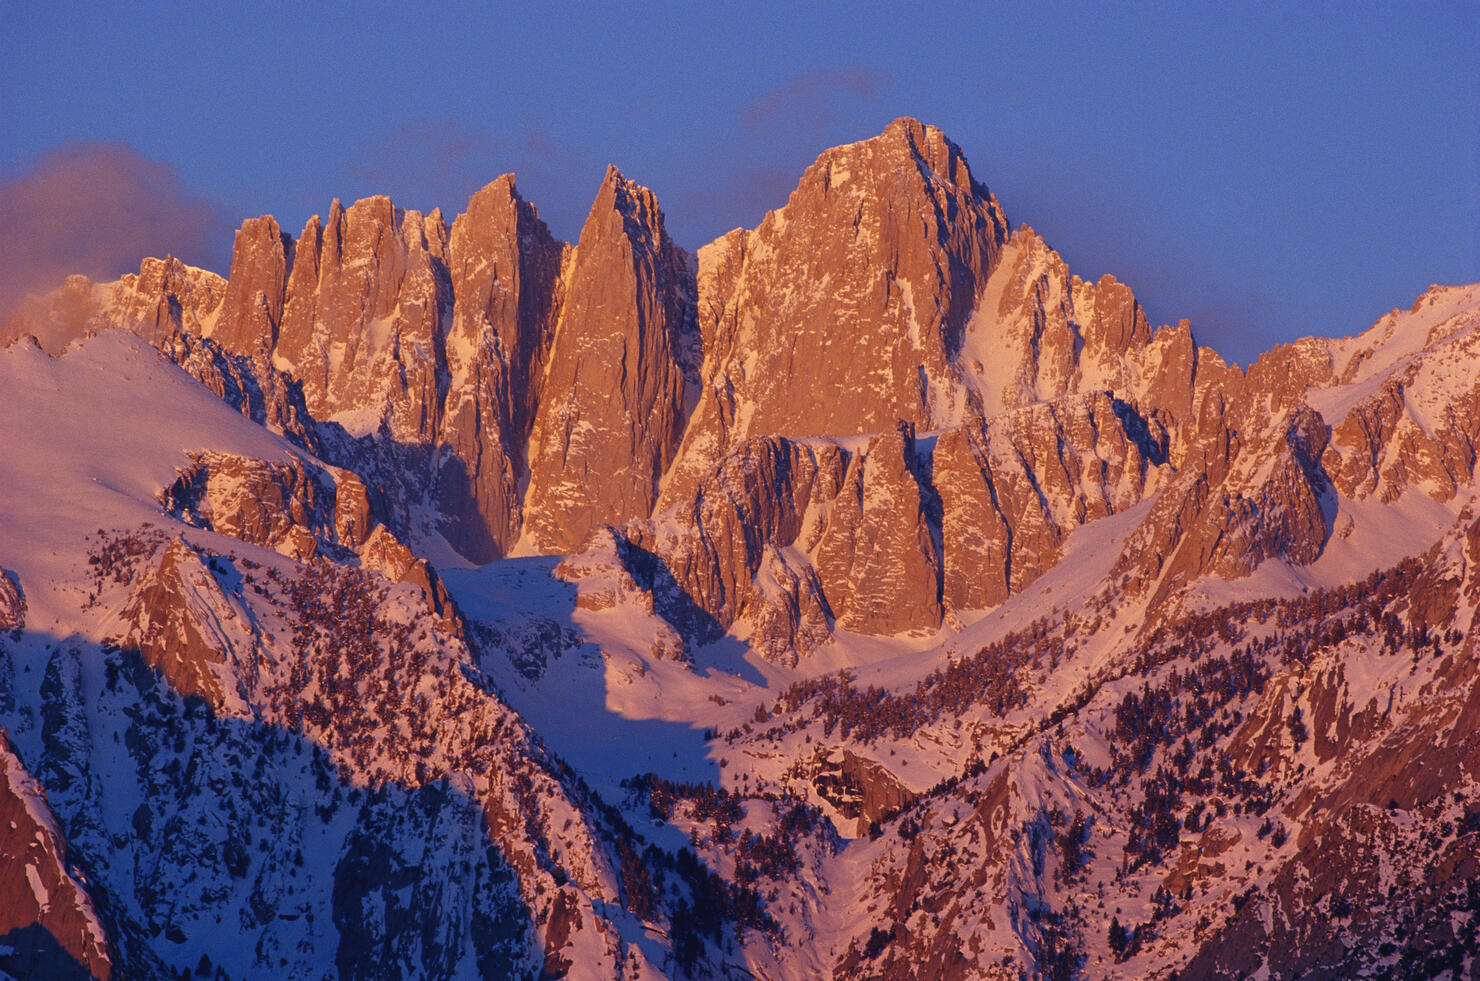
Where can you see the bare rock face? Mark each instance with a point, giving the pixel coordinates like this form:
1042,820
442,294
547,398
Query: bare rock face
504,267
186,627
283,506
300,510
1383,446
844,310
12,603
432,342
164,299
1260,468
353,519
364,334
792,537
1403,401
857,788
612,409
716,415
877,559
1268,505
46,916
1278,515
601,572
788,612
1043,333
737,548
1045,469
767,493
977,540
252,307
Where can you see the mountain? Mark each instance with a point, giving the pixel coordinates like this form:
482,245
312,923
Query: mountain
862,595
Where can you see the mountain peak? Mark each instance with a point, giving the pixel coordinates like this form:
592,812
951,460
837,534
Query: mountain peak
905,147
642,220
614,375
501,188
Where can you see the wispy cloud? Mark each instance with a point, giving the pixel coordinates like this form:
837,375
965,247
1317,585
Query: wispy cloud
97,209
441,162
812,96
778,134
742,198
428,160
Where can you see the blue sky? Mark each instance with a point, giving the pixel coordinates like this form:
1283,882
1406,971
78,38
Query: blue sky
1265,170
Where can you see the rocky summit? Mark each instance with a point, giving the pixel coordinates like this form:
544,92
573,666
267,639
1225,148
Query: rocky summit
862,595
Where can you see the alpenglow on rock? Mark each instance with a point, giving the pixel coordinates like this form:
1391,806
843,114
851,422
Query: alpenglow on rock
503,390
612,403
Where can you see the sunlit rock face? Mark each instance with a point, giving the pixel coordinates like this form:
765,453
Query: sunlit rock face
612,404
48,920
504,268
846,309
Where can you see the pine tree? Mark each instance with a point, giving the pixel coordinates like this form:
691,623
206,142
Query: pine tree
1118,938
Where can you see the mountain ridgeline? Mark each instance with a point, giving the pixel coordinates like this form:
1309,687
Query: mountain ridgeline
863,596
880,409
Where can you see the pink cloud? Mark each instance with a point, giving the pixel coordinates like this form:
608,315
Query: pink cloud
780,133
809,97
427,158
442,161
741,199
98,209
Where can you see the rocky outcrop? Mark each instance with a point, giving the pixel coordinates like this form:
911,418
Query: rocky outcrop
892,533
430,345
768,493
300,510
788,610
858,789
1401,403
261,393
786,539
1051,333
12,603
1046,469
1270,504
613,406
1386,445
252,308
363,323
877,559
166,298
976,570
186,627
48,926
1277,511
288,507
